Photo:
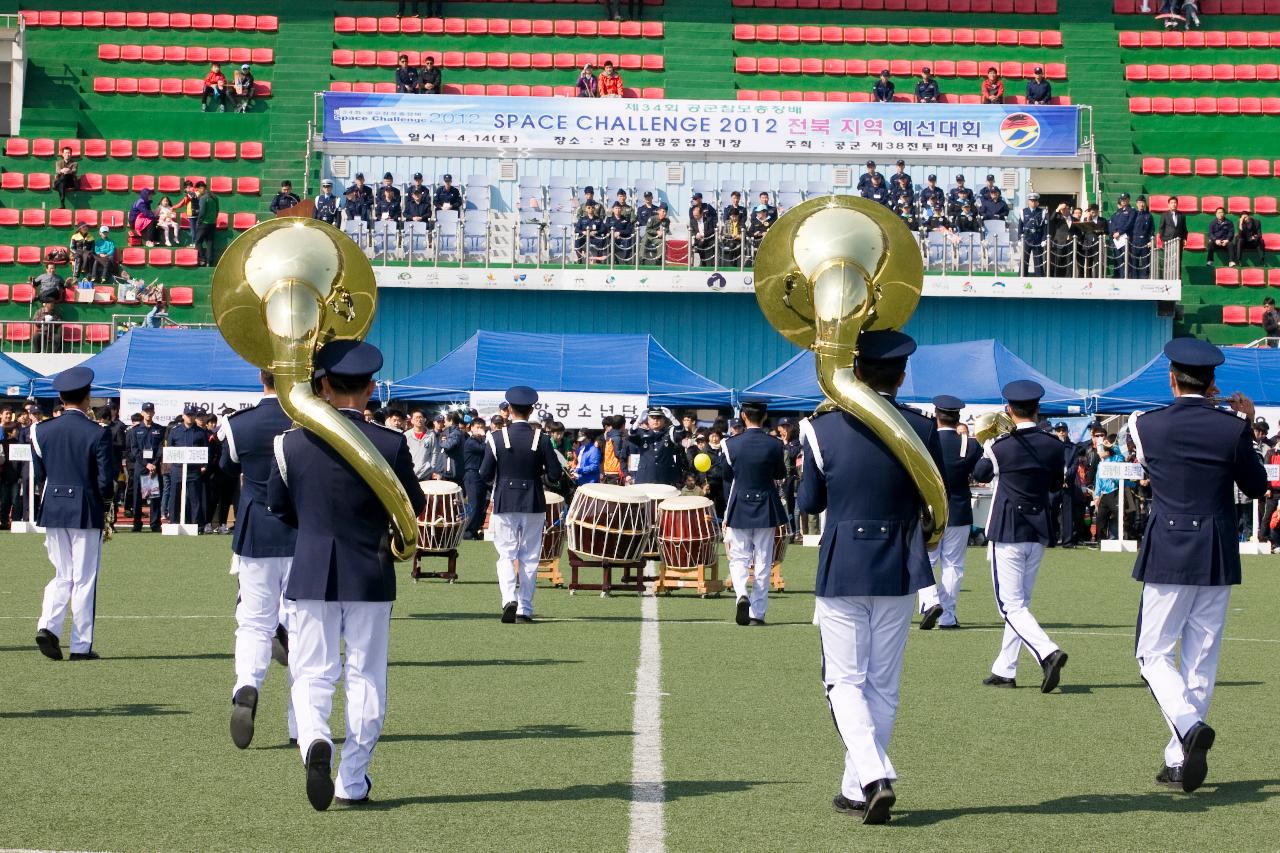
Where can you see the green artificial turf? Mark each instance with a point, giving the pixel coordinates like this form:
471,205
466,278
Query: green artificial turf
518,737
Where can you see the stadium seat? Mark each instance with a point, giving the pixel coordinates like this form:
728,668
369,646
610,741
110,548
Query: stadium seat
1239,204
1158,203
1253,277
12,181
1255,314
29,254
1153,166
1273,277
60,217
1206,166
1234,315
1140,106
181,296
199,150
17,333
1195,241
220,184
243,220
159,257
168,183
33,217
1259,168
10,216
1232,168
138,183
224,150
16,147
1265,205
90,182
248,186
185,258
39,181
1226,277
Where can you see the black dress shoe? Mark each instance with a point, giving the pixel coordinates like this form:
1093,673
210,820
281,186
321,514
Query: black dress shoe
89,655
244,707
293,741
48,644
509,613
844,805
1170,777
743,614
280,646
524,617
880,798
930,617
1053,665
756,622
952,627
994,680
1196,744
319,782
343,801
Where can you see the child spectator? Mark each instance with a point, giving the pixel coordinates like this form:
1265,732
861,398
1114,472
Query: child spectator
215,88
167,222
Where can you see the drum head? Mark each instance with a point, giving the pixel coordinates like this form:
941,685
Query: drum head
685,502
658,491
439,487
611,493
552,498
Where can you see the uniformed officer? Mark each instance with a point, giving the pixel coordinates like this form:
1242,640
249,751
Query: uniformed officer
1141,239
901,192
929,193
967,221
865,179
342,582
899,174
993,206
876,190
1121,230
871,563
359,200
146,445
751,465
927,91
1188,560
261,554
1026,466
326,204
658,444
516,459
958,196
188,434
908,216
960,454
447,196
934,217
473,488
1034,228
989,191
417,208
882,91
1039,90
72,458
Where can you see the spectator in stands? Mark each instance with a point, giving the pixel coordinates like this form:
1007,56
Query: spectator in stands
646,211
1221,238
935,218
406,77
588,86
1248,239
992,87
326,204
1060,241
992,207
1173,235
429,77
628,212
696,203
735,206
929,193
215,88
655,235
1141,239
876,191
1270,321
958,195
635,10
702,234
927,91
864,180
417,182
589,204
417,208
592,240
1034,228
400,12
206,224
1175,12
284,199
386,207
142,219
104,256
882,91
82,251
771,212
759,226
167,222
50,288
967,220
358,201
901,192
610,82
622,232
388,183
989,190
1039,90
447,196
1121,228
906,212
900,171
189,202
242,88
731,240
64,175
1092,230
613,10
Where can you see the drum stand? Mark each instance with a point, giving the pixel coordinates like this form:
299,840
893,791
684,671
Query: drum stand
632,575
777,583
450,574
549,570
705,579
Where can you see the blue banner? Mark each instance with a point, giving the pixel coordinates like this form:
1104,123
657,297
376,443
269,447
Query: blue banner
601,125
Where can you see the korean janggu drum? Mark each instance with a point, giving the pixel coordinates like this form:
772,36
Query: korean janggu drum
608,523
687,532
440,525
553,528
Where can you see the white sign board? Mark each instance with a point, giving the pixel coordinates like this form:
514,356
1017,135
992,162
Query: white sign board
1120,470
186,455
169,404
573,409
19,453
1273,472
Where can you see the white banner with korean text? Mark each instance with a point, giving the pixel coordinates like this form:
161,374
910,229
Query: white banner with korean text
574,409
169,404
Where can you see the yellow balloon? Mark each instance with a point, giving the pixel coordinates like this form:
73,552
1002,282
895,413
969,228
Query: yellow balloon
702,462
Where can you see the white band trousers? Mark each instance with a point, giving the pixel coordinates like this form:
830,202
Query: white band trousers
261,607
518,538
750,552
1014,566
76,556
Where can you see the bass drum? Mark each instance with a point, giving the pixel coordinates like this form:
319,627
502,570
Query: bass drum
655,493
608,523
688,535
441,523
553,532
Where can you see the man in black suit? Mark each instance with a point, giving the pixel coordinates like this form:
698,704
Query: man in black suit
342,581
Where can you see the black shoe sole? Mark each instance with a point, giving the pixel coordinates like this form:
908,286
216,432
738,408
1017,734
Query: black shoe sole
244,707
280,646
49,646
319,782
1195,766
1054,675
509,614
930,617
743,614
878,807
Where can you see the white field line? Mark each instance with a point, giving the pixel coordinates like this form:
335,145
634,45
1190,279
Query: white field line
648,790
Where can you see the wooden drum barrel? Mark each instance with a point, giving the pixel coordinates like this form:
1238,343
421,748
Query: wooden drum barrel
553,528
608,523
440,525
687,533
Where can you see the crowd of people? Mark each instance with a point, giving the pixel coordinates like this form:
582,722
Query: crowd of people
1039,91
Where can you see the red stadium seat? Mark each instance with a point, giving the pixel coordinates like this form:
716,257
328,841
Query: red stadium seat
10,216
169,183
1206,166
242,221
12,181
39,181
138,183
185,258
248,186
1195,242
1226,277
1265,205
1273,275
344,25
1153,166
1259,168
181,296
1239,204
1232,168
1253,277
33,217
1131,72
160,257
16,146
29,254
1140,106
1234,315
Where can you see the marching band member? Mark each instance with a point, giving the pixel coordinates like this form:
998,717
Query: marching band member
1026,465
261,554
751,465
960,454
517,457
1188,560
72,457
342,582
871,563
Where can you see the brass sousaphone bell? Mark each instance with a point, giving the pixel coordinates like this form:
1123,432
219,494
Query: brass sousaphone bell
827,270
282,290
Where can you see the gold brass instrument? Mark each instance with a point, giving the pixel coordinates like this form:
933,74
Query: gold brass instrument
827,270
282,290
989,425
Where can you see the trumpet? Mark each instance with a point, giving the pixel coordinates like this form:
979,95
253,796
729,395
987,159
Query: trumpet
827,270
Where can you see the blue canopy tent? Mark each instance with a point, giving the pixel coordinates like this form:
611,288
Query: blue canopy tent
1253,372
166,359
15,378
618,364
974,371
